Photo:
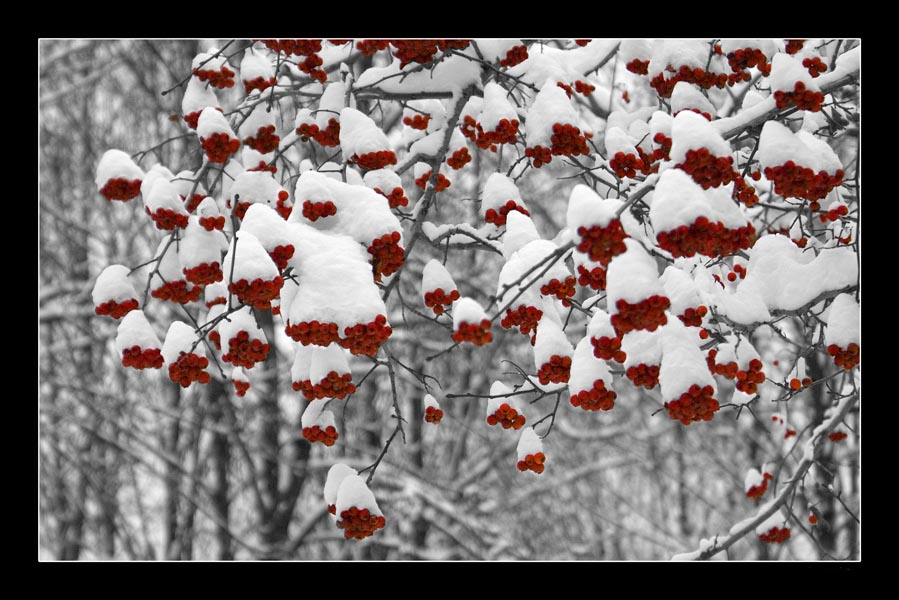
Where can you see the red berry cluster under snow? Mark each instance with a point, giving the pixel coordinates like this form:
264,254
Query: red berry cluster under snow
697,76
387,254
281,254
218,78
244,352
507,417
514,56
442,181
647,314
775,535
327,436
757,491
692,317
318,210
259,293
594,278
706,238
602,243
204,273
474,333
696,404
177,291
498,217
395,198
532,462
563,290
189,368
219,146
328,137
525,318
168,220
374,160
116,310
459,158
800,97
265,140
138,358
795,181
566,140
366,338
433,415
596,398
313,332
119,188
847,357
506,132
643,375
359,524
708,170
334,385
606,348
437,300
557,370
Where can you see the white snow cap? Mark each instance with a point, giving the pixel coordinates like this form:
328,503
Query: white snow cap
317,414
336,475
754,478
551,341
686,96
528,443
211,60
135,330
467,310
586,208
434,276
382,179
256,64
314,187
302,363
677,53
240,320
778,144
215,290
333,100
429,400
690,131
617,140
169,266
256,187
327,359
520,230
164,194
199,246
768,47
635,48
843,324
353,492
534,253
116,164
267,226
643,347
551,106
260,116
212,121
113,283
600,325
632,276
496,107
156,173
181,337
683,363
360,135
678,200
776,520
498,190
253,262
680,289
786,71
586,369
197,96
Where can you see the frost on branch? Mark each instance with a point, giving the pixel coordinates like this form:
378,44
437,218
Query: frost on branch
118,177
114,294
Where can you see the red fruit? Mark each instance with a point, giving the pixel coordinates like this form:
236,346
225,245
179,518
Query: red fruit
334,385
313,332
647,314
607,348
204,273
477,334
800,97
168,220
359,524
366,338
387,254
644,375
437,300
696,404
177,291
813,519
138,358
241,387
244,352
374,160
775,535
595,278
116,310
222,78
318,210
692,317
419,122
459,158
515,55
265,140
597,398
259,293
219,146
395,198
258,83
557,370
601,244
281,254
433,415
506,132
794,46
532,462
327,436
837,436
442,182
498,217
369,47
814,65
120,188
507,417
792,180
525,318
708,170
640,67
189,368
626,165
562,291
664,86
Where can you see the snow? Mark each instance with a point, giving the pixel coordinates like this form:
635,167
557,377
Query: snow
135,330
632,276
686,96
240,320
467,310
496,107
253,262
314,187
451,75
260,116
359,134
643,347
786,71
197,96
353,492
746,353
113,283
678,200
510,283
586,208
634,48
536,252
383,179
180,337
211,122
550,341
551,106
209,61
542,69
726,353
843,324
775,520
849,62
752,98
267,226
300,369
327,359
163,194
660,122
777,145
768,47
680,289
288,293
683,363
256,64
116,164
587,369
316,414
256,186
600,325
690,131
428,146
520,231
233,169
676,53
491,49
215,290
528,443
238,374
498,190
753,479
199,246
336,475
333,100
156,173
362,213
429,400
169,265
434,276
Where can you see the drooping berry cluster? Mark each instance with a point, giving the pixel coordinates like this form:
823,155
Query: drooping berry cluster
137,358
748,381
506,416
374,160
442,182
423,51
244,352
281,254
692,317
419,122
795,181
637,66
437,300
194,201
561,290
216,339
525,318
566,140
602,243
265,140
706,238
814,65
177,291
745,192
475,333
775,535
459,158
313,332
746,58
498,218
334,385
837,436
219,146
328,137
369,47
258,83
282,207
514,56
387,254
557,370
596,398
505,133
595,278
847,357
643,375
240,210
834,214
366,338
327,436
204,273
757,491
626,165
698,76
647,314
189,368
258,293
532,462
708,170
193,118
241,387
606,348
794,46
800,97
218,78
797,385
264,166
116,310
167,219
696,404
119,188
359,524
395,198
433,415
307,48
318,210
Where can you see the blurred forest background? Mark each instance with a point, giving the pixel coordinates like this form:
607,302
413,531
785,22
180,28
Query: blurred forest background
134,467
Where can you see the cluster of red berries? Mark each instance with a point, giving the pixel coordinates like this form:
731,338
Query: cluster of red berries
757,491
423,51
596,398
203,273
708,116
189,368
419,122
442,182
566,140
643,375
514,56
327,436
327,137
217,300
794,46
240,210
847,358
795,181
698,76
728,370
318,210
696,404
369,47
800,97
602,243
814,65
775,535
583,42
606,348
366,338
748,381
561,290
167,219
626,165
647,314
747,58
595,278
706,238
282,207
395,198
244,352
433,415
692,317
525,318
506,132
637,66
745,192
216,339
241,387
833,214
708,170
581,87
281,254
438,300
477,334
177,291
359,524
192,119
219,146
119,188
498,217
264,166
838,436
258,83
459,158
191,204
313,332
135,357
506,416
374,160
557,370
664,150
532,462
222,78
334,385
258,293
387,254
116,310
297,47
797,385
265,140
